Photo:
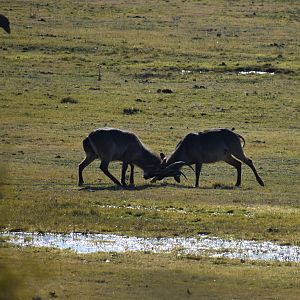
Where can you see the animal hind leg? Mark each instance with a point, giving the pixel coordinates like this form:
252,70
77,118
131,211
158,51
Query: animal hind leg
90,157
238,165
104,168
251,165
241,156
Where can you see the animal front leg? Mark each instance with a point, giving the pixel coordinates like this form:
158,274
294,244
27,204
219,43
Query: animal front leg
197,172
123,176
131,180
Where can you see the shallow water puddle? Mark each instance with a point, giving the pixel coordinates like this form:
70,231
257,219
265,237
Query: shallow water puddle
199,245
256,73
246,72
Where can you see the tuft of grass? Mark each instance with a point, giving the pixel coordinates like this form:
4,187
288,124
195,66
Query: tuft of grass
131,111
68,100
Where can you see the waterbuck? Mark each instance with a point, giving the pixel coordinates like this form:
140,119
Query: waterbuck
4,23
210,146
110,144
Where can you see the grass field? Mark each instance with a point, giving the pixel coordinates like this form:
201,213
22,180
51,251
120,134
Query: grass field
69,67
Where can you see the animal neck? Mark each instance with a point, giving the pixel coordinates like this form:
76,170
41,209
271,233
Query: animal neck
146,159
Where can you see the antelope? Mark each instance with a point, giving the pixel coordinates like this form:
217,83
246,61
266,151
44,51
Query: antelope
4,23
111,144
209,146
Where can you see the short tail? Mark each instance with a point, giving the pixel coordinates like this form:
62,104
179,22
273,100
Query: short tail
232,129
244,142
87,147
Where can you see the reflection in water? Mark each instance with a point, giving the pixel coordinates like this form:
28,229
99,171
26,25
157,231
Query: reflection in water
199,245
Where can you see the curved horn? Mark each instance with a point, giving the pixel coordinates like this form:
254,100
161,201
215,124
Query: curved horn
171,173
181,173
173,170
177,165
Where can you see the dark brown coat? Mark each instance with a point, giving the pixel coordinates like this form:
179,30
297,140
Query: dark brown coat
111,144
211,146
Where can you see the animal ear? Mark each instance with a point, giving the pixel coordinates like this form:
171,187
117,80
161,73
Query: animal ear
164,162
162,155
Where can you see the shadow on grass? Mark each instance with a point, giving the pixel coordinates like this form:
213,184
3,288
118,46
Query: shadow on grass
102,187
94,188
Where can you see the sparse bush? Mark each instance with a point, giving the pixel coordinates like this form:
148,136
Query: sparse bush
69,100
131,111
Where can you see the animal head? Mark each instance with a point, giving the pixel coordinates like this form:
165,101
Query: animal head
171,170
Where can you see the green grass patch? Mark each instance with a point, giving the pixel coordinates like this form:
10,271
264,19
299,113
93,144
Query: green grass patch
49,273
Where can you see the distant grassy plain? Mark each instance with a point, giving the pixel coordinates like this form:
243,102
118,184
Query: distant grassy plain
56,52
